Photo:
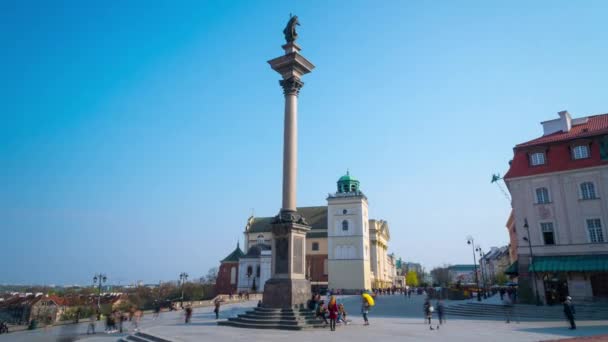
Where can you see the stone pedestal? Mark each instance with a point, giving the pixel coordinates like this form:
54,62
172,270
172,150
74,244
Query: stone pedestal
286,293
288,287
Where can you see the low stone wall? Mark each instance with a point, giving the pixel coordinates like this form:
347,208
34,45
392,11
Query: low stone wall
225,300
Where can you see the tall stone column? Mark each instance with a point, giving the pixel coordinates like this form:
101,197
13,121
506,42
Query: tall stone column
291,89
288,286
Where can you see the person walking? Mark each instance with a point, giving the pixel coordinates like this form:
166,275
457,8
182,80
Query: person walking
569,312
121,318
507,305
428,312
365,310
217,303
440,312
136,319
92,319
332,309
156,310
188,314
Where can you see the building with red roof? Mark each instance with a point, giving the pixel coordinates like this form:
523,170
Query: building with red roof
558,184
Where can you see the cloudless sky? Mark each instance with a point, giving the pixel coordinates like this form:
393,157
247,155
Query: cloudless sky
136,137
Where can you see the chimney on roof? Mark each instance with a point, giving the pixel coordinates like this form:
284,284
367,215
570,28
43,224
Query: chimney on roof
563,124
566,120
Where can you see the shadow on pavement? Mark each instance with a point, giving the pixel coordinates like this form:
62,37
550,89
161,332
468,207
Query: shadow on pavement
565,332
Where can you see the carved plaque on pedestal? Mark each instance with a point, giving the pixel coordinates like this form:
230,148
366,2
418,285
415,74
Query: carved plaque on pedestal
298,251
282,255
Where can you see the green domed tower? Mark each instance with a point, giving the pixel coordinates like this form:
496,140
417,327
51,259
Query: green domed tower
347,183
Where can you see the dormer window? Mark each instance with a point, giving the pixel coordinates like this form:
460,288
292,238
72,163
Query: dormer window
580,152
537,158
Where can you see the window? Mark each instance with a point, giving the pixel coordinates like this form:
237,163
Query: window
587,191
258,270
595,230
537,158
542,196
315,246
548,233
325,267
344,212
260,239
580,152
345,225
232,275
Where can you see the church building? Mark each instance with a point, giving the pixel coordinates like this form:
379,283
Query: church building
344,248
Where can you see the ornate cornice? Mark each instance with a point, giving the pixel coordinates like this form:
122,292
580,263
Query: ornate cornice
291,86
288,216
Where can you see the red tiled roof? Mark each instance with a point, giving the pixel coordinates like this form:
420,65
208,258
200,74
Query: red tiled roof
58,300
595,125
558,154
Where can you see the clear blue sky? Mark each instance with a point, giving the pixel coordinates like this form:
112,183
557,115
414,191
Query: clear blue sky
136,137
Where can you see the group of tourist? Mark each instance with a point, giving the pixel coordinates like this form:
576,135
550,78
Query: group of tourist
115,321
330,313
241,295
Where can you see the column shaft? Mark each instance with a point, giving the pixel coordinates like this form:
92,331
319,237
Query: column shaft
290,151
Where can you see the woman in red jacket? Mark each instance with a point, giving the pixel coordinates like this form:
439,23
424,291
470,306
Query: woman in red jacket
332,308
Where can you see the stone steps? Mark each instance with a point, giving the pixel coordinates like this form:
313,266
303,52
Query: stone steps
525,312
252,320
283,319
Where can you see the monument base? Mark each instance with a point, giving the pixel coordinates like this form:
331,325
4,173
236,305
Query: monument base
286,293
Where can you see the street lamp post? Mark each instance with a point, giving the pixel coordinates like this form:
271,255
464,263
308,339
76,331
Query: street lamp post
99,279
483,272
471,242
182,278
533,277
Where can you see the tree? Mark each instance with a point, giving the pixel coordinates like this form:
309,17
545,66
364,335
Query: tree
501,279
211,276
411,279
441,275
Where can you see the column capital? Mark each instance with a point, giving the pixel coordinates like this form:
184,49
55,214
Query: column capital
291,86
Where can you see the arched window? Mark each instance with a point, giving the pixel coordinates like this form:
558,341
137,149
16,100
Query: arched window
249,271
258,271
232,275
542,196
587,191
345,225
260,239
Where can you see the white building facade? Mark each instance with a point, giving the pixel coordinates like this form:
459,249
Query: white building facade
559,186
345,249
